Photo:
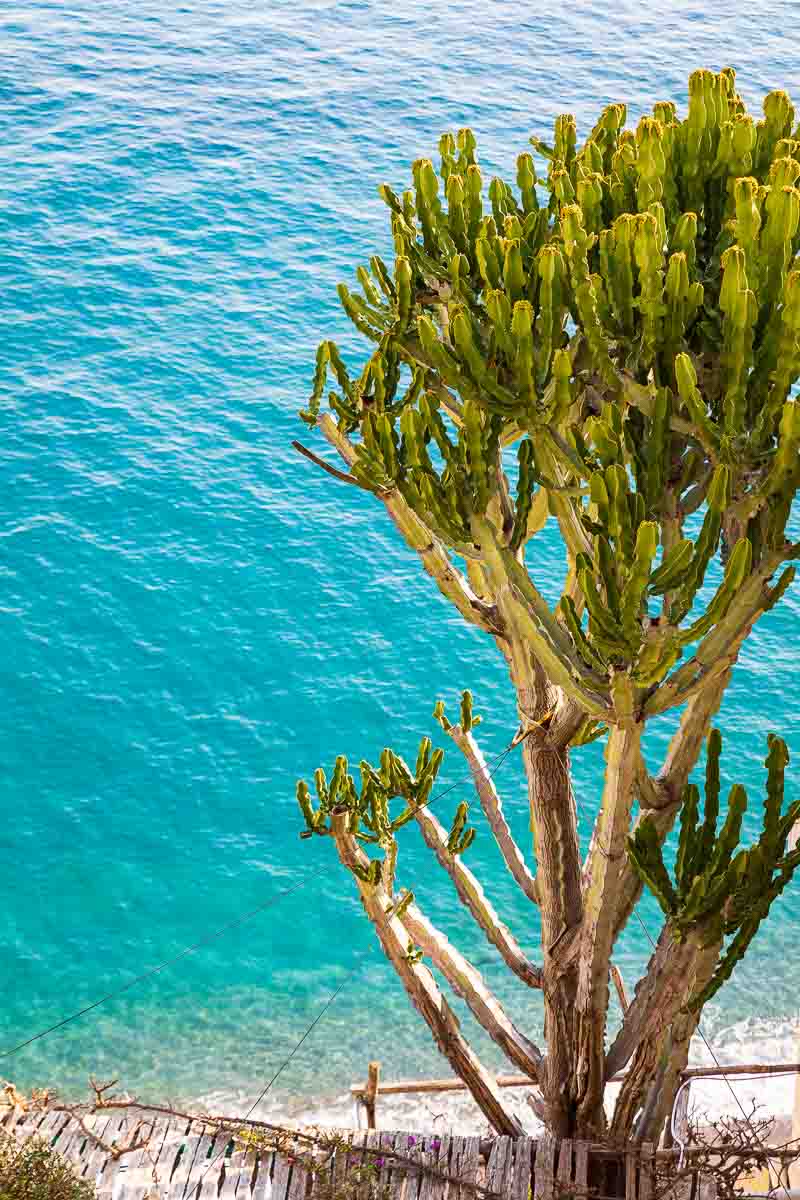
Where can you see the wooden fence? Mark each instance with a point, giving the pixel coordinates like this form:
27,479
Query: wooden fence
188,1159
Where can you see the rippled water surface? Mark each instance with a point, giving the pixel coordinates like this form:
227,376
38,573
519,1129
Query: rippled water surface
190,615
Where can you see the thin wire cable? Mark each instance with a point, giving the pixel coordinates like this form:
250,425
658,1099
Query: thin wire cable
155,970
496,764
740,1106
283,1065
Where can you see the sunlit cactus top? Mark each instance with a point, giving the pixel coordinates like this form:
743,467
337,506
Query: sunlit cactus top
628,319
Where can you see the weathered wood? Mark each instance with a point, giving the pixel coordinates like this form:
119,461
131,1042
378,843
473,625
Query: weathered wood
427,1157
581,1169
646,1171
468,1166
262,1185
543,1167
794,1169
742,1069
183,1167
564,1170
386,1143
371,1142
500,1167
94,1153
370,1094
208,1164
234,1164
400,1087
619,987
164,1158
187,1160
281,1175
441,1187
524,1149
630,1175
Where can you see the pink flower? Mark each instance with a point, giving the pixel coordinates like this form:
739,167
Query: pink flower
412,1141
436,1143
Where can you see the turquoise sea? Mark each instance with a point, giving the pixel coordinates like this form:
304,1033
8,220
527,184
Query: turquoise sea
192,616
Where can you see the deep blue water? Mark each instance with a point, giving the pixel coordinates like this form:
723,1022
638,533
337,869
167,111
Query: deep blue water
191,616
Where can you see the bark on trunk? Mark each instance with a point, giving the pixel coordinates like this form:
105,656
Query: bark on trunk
665,1027
557,852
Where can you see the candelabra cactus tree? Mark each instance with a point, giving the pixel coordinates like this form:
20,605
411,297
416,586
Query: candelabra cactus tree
626,324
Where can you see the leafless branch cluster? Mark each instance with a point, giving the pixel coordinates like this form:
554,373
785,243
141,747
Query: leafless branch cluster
725,1151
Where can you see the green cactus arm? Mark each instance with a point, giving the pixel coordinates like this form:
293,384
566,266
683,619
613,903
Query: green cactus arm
531,616
719,647
682,754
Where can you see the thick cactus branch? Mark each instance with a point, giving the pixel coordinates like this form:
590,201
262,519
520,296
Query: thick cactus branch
719,648
492,806
601,896
422,990
448,578
472,895
465,980
468,983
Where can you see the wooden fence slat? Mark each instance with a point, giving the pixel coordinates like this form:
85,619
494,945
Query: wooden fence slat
262,1185
340,1162
202,1182
50,1128
581,1169
106,1172
630,1174
180,1176
233,1171
70,1138
543,1167
299,1182
426,1156
94,1153
441,1186
497,1167
166,1156
281,1174
362,1140
646,1171
524,1149
564,1170
402,1174
159,1157
386,1143
469,1164
26,1125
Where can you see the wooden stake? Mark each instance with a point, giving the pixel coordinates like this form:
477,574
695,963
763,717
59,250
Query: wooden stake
371,1093
620,986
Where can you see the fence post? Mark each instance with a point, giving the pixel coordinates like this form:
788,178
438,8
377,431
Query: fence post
371,1094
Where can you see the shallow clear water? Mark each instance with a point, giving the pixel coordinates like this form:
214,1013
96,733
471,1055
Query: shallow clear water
191,616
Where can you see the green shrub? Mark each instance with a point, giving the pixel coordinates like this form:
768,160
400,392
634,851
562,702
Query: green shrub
34,1171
